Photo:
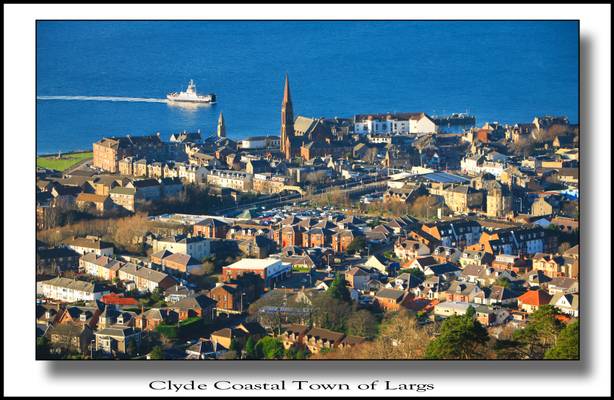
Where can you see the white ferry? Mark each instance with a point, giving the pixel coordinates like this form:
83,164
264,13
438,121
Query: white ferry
191,96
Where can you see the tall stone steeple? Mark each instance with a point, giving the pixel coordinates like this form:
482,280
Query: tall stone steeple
287,122
221,127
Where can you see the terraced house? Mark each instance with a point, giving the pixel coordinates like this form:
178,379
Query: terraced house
71,290
237,180
145,279
109,151
521,240
456,233
102,267
90,244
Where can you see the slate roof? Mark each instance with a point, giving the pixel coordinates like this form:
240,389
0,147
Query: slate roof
390,294
75,285
88,243
444,268
324,334
144,272
116,331
195,302
56,252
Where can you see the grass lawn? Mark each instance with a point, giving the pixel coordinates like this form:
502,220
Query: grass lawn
67,160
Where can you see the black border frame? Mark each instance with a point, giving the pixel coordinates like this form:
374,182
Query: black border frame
579,76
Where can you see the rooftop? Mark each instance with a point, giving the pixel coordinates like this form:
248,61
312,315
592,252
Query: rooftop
254,263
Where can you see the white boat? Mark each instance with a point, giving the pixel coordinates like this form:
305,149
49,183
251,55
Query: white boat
190,95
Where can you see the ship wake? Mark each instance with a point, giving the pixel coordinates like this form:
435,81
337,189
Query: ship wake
103,98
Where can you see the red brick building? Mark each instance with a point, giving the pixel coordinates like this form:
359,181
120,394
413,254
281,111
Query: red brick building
271,270
211,228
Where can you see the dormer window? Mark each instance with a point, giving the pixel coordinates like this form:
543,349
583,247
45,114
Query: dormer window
120,319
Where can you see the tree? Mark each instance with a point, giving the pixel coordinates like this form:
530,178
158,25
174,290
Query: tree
330,312
357,244
417,272
42,348
567,345
271,348
504,282
400,338
425,206
235,346
564,247
156,353
250,349
131,348
524,146
208,267
539,334
461,337
338,288
361,323
290,353
156,295
301,354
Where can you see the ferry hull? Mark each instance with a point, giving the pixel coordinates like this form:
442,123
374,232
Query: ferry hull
190,101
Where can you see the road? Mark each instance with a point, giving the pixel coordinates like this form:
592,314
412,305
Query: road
364,185
77,166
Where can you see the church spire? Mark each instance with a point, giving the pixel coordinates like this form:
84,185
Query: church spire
287,122
221,127
287,98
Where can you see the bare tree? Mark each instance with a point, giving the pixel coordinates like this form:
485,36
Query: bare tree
400,338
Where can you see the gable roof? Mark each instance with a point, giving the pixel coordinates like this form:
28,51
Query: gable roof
572,299
535,297
75,284
425,261
144,272
324,334
357,271
67,329
182,259
295,329
444,268
56,252
194,302
392,294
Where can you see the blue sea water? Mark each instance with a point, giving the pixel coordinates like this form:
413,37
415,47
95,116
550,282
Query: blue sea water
499,71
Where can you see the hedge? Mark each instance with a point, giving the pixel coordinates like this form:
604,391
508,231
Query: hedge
185,327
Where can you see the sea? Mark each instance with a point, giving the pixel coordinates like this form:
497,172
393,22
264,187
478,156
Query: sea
109,78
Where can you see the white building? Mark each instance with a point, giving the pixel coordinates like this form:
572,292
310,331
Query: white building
476,165
259,142
237,180
196,247
410,249
567,303
422,123
70,290
450,308
270,269
145,279
395,124
192,173
90,244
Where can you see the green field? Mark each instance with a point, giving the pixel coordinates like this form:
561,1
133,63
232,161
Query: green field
62,164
